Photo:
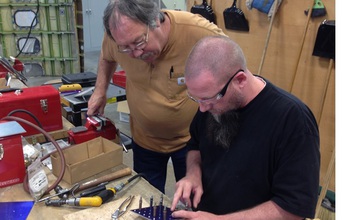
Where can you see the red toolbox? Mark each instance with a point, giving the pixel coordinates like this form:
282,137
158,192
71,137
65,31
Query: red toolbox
12,167
119,78
38,105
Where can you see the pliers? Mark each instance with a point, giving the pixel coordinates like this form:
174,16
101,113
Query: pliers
120,210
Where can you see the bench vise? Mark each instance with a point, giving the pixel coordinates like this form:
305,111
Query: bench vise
95,126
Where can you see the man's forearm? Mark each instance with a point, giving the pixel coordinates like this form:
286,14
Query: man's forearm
194,164
266,210
104,74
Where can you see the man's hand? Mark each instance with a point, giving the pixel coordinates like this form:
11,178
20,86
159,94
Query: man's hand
96,104
184,188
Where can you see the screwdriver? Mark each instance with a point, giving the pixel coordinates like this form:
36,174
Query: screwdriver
94,201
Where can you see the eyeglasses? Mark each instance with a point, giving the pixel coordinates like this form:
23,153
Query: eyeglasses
137,46
217,96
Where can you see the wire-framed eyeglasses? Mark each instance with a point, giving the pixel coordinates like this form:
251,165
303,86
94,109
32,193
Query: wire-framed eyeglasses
218,96
136,46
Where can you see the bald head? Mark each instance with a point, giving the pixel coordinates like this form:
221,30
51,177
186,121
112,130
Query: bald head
216,55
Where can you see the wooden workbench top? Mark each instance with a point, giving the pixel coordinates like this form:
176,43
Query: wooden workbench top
138,187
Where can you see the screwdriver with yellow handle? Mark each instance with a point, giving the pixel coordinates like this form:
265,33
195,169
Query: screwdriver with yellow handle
94,201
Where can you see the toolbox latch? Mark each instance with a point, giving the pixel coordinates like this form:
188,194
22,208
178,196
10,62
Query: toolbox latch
44,105
1,151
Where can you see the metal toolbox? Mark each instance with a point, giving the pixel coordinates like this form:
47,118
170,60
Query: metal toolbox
12,168
39,105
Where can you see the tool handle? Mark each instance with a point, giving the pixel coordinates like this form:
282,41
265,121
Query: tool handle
118,174
70,87
107,194
94,191
95,201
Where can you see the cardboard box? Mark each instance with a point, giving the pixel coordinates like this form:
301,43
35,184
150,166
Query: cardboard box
124,112
87,159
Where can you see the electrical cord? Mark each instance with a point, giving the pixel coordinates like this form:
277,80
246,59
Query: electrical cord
27,112
59,150
30,114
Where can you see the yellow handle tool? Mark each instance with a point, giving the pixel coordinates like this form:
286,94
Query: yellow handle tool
94,201
70,87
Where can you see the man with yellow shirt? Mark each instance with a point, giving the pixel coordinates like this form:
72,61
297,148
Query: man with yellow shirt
151,46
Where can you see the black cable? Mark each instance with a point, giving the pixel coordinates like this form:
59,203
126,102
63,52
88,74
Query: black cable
136,176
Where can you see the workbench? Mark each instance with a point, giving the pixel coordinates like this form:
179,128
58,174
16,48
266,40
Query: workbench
138,187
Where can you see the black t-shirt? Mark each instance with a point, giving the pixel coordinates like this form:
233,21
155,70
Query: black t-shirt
275,156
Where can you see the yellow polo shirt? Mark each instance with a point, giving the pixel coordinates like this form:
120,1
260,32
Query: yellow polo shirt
160,111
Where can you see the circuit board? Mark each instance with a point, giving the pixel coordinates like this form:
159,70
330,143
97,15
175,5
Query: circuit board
159,212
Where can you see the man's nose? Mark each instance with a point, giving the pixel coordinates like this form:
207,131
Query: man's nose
137,53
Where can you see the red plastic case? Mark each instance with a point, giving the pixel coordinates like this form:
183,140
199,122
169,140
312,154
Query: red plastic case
41,101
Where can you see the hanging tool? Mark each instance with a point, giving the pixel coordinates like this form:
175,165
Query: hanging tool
314,6
268,37
234,18
302,44
205,10
318,9
123,207
95,201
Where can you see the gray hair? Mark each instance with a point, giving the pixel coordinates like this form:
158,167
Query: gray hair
143,11
217,55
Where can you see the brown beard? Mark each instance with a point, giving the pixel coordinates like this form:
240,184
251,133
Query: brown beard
223,129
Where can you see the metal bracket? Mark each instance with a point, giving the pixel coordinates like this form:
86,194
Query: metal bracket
44,105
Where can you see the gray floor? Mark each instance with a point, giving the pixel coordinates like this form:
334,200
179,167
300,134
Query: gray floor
90,64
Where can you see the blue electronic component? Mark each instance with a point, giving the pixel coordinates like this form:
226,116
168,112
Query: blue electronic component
159,212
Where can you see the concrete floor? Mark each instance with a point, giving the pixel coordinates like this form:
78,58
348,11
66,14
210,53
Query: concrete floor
90,64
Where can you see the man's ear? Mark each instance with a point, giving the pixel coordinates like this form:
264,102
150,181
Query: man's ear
241,78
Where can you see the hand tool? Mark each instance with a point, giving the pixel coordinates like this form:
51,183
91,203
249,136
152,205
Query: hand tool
60,192
107,178
122,208
95,201
94,191
98,181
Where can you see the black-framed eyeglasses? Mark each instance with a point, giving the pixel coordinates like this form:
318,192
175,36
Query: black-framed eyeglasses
217,96
137,46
